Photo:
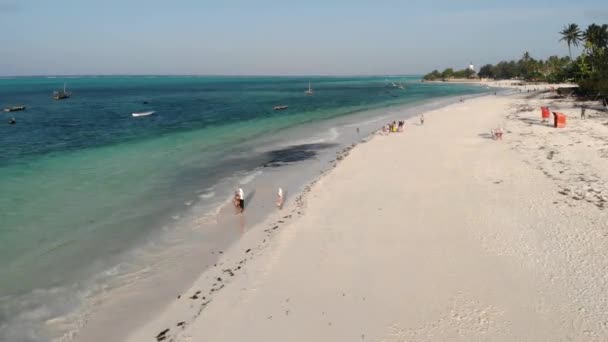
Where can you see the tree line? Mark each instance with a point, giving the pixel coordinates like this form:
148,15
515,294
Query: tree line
589,70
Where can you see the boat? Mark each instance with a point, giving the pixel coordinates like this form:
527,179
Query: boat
136,115
280,107
61,94
309,92
14,109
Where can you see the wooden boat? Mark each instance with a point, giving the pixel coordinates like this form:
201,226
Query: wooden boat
136,115
14,109
61,94
280,107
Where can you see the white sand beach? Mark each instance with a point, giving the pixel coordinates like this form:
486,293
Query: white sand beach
439,233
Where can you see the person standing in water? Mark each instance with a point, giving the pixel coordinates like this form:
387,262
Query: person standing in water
280,198
241,197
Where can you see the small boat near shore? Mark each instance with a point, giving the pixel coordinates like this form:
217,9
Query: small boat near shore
14,109
280,107
136,115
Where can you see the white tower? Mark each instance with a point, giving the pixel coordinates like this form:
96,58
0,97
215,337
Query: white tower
471,67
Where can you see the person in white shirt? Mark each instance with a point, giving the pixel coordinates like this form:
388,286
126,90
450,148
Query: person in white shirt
241,199
280,198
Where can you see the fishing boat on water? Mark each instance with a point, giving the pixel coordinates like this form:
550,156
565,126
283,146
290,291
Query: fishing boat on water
61,94
280,107
309,92
139,114
14,109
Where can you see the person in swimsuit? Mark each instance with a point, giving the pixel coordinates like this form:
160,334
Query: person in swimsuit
236,202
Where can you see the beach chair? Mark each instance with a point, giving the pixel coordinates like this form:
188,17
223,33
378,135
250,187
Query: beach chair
545,113
559,120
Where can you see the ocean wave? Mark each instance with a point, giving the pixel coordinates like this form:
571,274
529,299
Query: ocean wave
368,122
332,135
250,177
207,195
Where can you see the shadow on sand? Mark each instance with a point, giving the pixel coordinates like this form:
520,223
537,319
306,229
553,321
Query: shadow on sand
485,136
534,122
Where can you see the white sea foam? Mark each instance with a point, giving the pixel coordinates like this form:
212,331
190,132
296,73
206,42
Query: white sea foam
249,177
368,122
332,135
206,195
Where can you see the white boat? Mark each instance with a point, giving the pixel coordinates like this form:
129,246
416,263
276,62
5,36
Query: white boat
61,94
135,115
309,91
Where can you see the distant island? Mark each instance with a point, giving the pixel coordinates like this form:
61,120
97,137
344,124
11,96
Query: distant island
589,70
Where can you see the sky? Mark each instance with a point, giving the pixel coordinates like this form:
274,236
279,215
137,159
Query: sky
280,37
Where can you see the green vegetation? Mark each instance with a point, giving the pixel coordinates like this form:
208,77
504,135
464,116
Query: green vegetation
572,35
448,73
589,70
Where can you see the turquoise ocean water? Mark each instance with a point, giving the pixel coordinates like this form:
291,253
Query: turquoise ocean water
82,181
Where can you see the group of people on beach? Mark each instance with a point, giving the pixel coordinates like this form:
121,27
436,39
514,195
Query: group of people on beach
393,127
239,200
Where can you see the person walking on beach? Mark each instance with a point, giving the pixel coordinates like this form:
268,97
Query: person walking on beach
583,116
280,198
236,202
241,199
421,119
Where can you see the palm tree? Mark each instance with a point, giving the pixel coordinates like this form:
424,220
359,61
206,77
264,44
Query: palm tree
596,36
596,39
571,34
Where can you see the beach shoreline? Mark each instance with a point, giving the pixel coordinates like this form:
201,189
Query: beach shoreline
145,298
253,272
119,201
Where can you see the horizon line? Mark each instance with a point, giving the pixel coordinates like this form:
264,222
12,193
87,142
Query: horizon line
213,75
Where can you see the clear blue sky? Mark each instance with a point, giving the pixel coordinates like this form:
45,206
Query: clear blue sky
249,37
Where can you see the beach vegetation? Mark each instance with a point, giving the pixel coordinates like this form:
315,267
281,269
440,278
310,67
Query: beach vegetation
433,75
572,35
589,70
448,74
